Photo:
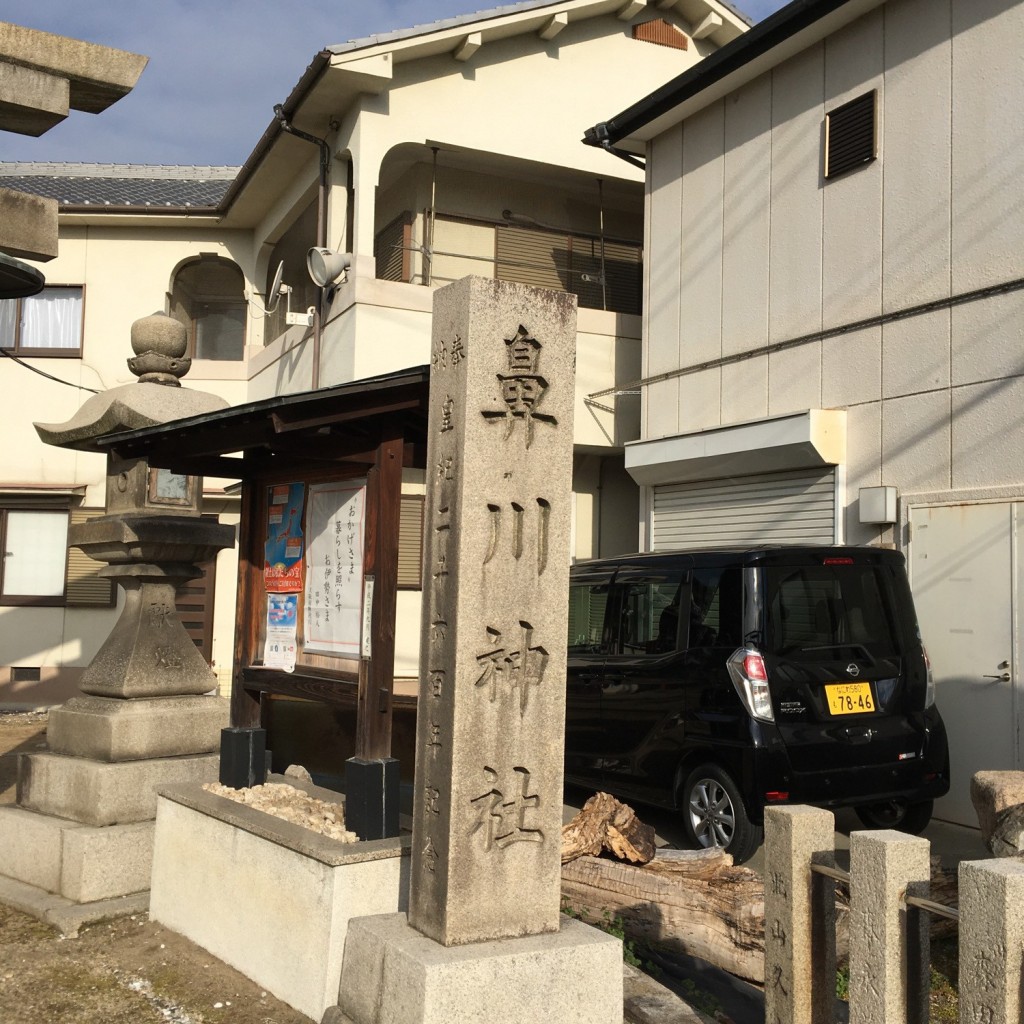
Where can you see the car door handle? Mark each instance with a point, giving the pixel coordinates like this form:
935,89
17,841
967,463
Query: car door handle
1005,677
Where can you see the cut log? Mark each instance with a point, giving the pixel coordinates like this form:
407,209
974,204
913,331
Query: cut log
606,825
692,902
698,903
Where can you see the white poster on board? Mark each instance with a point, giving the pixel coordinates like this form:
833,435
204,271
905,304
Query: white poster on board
334,567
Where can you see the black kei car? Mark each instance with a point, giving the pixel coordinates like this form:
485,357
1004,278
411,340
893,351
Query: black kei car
722,682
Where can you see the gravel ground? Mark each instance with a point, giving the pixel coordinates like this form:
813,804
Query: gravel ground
128,971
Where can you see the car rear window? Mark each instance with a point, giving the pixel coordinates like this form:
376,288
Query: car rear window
816,611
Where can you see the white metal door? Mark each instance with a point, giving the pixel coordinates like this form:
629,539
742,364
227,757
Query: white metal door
963,573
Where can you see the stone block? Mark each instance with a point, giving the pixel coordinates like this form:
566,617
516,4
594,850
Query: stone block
101,863
101,793
30,847
799,916
108,729
29,225
886,980
98,75
991,939
396,974
31,102
992,793
278,903
79,862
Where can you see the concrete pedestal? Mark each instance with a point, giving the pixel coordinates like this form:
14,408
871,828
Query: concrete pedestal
274,899
393,973
80,862
111,729
101,793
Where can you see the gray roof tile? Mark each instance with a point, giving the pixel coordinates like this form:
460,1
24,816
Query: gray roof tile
136,185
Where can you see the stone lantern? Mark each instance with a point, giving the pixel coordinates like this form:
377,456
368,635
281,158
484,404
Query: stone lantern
147,717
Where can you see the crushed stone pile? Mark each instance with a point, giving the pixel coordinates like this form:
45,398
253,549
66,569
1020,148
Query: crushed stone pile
291,804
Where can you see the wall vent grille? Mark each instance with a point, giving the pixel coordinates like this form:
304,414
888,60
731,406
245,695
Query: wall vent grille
850,137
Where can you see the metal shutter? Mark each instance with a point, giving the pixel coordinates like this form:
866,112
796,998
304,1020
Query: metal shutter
410,542
85,587
769,508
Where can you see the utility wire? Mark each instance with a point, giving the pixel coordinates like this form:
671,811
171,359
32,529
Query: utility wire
43,373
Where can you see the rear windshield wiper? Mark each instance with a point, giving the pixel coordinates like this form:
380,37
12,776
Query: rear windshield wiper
864,652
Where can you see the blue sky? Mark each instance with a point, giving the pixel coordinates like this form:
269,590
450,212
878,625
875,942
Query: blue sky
216,69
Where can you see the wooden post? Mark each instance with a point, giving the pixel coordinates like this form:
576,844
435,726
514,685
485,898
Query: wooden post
245,708
377,673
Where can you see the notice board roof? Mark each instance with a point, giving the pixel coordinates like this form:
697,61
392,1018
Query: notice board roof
340,425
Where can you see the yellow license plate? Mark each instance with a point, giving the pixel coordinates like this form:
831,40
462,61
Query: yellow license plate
849,698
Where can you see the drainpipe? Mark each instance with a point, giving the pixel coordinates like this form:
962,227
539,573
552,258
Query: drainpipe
321,225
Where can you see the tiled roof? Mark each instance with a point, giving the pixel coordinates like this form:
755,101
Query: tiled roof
121,185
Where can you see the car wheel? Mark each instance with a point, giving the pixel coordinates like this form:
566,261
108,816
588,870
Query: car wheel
901,815
714,815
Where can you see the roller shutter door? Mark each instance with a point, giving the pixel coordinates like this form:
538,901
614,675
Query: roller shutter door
796,507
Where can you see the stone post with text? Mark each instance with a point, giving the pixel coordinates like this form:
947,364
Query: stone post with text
484,936
488,803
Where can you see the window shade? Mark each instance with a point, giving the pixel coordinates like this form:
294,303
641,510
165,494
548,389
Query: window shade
86,588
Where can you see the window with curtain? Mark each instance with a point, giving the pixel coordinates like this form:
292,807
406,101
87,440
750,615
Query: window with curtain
33,556
47,324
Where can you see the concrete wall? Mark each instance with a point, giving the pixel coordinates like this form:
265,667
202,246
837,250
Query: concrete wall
771,251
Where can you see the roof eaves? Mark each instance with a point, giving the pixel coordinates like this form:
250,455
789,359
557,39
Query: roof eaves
764,37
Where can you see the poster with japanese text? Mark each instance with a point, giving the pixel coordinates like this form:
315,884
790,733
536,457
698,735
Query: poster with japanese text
282,625
334,567
282,568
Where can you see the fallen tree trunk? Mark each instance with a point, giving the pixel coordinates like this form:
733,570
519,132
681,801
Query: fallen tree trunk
688,901
696,902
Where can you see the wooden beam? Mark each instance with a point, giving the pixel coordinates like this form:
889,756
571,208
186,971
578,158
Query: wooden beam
631,10
469,45
246,706
377,672
554,25
284,425
710,24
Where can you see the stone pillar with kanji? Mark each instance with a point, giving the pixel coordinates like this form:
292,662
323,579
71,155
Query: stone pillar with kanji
486,846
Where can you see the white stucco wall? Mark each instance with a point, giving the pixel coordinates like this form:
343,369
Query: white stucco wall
749,246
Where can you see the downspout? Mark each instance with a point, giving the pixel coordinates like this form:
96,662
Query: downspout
600,135
321,225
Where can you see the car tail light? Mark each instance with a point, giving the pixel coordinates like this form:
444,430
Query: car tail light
775,796
837,561
929,686
750,677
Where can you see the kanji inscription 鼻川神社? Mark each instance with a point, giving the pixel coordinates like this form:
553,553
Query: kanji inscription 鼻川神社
487,810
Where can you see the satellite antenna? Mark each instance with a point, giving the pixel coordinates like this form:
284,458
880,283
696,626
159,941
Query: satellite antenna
274,292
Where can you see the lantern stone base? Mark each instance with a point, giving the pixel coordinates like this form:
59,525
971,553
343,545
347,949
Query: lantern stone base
82,863
110,729
103,793
394,973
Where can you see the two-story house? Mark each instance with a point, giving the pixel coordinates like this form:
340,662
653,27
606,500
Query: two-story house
833,295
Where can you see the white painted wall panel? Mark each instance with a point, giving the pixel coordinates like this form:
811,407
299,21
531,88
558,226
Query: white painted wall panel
988,142
661,408
794,379
915,153
988,337
915,354
745,390
747,217
852,204
700,287
699,400
795,243
863,466
988,425
662,263
915,442
851,368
